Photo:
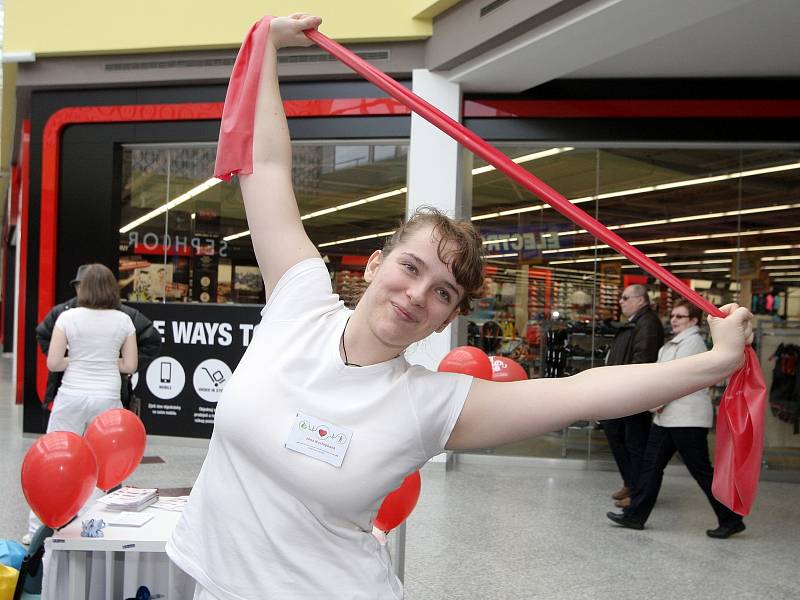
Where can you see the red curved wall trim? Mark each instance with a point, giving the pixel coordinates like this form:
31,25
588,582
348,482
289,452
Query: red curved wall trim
632,109
198,111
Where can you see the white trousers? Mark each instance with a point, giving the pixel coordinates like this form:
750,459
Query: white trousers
73,412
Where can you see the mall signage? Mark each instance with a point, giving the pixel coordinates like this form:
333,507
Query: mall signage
201,346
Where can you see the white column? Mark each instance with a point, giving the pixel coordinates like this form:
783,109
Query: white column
439,175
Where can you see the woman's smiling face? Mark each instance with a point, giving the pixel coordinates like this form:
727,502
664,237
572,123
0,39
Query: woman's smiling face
412,292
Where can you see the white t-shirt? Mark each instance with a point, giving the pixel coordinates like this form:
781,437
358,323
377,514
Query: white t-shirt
265,522
94,339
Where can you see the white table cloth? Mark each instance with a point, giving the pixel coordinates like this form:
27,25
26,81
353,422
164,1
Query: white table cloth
114,566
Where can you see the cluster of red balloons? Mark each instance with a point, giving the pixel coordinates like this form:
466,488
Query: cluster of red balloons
61,469
468,360
474,361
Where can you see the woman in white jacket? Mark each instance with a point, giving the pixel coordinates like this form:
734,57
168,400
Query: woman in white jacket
682,426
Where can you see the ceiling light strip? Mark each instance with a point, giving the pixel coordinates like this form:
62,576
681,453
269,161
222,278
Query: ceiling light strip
653,188
206,185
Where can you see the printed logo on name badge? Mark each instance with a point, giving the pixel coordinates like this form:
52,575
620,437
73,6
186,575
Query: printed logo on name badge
319,439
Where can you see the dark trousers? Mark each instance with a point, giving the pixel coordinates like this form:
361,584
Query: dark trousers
627,438
692,445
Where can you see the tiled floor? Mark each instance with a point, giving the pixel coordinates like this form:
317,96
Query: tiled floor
506,532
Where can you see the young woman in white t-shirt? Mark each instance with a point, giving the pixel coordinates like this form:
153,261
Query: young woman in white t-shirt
102,344
323,416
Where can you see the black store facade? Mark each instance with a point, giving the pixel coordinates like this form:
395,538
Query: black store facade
125,182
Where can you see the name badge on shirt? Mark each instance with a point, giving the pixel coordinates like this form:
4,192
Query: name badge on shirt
319,439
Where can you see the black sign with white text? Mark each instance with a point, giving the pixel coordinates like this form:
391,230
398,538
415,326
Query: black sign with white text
201,346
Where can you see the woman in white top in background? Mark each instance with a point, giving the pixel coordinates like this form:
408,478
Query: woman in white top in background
102,344
682,426
324,416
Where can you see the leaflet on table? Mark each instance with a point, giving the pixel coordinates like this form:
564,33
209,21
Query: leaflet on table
130,498
130,519
177,503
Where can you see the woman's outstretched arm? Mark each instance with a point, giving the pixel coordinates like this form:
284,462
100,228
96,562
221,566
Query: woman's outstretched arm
278,236
500,413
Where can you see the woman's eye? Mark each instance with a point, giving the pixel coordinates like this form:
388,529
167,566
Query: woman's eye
444,295
409,267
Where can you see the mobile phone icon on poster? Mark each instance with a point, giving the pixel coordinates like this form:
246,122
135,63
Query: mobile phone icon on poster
166,372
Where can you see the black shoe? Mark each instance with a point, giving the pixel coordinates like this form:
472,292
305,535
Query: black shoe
624,521
723,532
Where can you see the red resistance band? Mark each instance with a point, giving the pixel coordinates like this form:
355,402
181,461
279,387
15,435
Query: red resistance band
740,419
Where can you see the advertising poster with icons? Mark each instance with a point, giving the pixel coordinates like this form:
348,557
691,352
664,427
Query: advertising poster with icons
201,346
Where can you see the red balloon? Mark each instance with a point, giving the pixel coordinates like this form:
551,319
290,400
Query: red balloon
505,369
468,360
398,505
59,473
117,438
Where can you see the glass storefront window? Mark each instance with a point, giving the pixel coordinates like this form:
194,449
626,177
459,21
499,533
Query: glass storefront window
184,235
723,219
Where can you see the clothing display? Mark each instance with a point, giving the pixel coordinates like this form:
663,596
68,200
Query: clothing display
784,393
306,523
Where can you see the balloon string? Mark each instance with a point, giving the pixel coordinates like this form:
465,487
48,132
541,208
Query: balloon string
502,163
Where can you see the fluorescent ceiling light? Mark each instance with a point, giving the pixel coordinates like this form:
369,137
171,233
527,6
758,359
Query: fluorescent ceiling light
524,158
775,267
751,249
371,236
683,263
700,217
199,189
650,188
604,258
784,273
723,270
500,241
773,258
501,255
236,236
685,238
346,205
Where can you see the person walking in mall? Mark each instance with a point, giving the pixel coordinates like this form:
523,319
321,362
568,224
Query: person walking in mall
323,416
682,426
637,342
101,339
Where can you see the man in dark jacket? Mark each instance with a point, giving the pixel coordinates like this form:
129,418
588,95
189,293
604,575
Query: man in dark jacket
637,341
148,341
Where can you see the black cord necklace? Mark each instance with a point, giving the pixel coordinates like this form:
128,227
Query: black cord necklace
344,349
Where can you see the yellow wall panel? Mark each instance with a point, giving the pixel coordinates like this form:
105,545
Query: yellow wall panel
51,27
427,9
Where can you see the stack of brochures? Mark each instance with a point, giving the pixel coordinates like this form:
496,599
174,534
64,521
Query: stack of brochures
129,498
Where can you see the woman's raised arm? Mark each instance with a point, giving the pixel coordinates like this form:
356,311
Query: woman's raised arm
278,236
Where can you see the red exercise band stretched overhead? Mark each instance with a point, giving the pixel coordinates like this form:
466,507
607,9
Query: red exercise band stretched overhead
740,420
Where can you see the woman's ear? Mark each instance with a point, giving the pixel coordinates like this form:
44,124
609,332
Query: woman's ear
373,264
449,320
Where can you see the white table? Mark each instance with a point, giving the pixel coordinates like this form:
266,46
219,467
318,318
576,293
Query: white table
113,566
